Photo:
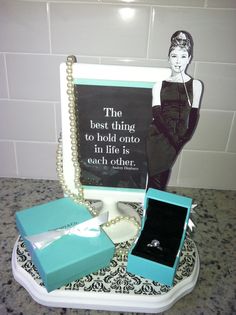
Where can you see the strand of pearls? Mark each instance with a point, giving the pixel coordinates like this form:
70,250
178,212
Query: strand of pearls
123,251
78,197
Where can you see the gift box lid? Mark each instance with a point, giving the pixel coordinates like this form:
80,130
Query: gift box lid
164,226
167,198
71,256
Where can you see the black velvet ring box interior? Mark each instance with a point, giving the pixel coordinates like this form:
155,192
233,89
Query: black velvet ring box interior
156,253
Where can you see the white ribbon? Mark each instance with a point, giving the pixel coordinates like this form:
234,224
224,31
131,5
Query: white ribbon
89,228
191,225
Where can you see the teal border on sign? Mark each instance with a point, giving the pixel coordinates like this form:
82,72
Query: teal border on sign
135,84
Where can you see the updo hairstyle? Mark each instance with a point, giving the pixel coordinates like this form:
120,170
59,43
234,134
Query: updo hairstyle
183,40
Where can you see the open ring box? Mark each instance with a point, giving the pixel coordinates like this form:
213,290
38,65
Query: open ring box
155,254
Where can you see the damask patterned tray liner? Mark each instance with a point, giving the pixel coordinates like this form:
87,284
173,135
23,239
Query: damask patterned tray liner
114,279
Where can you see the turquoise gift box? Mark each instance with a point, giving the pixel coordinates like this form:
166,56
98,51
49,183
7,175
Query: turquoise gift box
155,254
71,256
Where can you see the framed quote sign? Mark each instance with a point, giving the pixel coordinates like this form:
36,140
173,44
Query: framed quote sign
113,119
114,107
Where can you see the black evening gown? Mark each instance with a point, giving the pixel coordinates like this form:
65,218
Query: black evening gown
174,122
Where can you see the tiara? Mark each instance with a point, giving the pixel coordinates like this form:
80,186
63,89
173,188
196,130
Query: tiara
181,40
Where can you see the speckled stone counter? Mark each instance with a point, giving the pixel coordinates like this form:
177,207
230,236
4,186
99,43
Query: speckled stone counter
214,236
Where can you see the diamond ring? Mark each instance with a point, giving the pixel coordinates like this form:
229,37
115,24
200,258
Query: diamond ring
155,243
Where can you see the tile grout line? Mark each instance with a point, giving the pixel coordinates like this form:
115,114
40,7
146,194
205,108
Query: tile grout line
57,133
27,141
229,136
49,27
6,72
135,59
55,142
30,100
151,18
16,159
178,174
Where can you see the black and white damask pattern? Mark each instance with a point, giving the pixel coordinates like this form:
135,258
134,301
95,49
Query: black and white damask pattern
115,279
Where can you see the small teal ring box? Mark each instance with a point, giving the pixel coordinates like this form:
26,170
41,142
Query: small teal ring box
156,252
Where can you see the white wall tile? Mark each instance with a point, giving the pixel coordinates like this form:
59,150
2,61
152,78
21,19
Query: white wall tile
232,139
23,26
188,3
36,77
142,63
21,120
219,82
7,159
95,29
221,4
191,3
36,160
212,131
205,27
208,170
3,78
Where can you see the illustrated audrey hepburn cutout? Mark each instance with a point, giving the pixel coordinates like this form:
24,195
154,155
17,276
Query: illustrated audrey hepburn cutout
175,109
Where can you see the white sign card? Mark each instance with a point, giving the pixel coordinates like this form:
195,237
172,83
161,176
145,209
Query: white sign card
114,111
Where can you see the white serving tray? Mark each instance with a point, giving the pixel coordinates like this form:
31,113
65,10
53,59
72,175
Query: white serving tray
112,288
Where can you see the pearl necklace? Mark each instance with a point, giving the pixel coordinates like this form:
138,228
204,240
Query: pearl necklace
122,248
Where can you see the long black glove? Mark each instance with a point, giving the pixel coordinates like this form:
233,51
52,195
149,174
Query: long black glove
161,127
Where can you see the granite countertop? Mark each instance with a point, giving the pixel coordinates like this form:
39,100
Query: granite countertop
215,292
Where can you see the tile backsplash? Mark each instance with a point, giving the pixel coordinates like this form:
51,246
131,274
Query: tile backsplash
36,36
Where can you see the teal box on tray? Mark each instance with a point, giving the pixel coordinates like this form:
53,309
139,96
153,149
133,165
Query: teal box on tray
71,256
155,254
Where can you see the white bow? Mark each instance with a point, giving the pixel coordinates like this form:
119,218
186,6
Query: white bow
89,228
191,225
